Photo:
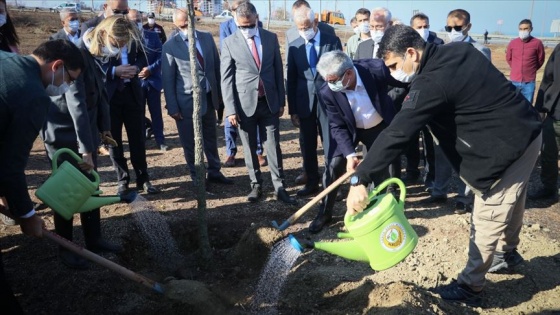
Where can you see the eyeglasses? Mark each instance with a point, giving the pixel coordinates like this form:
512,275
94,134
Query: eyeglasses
457,28
69,77
247,27
338,79
117,11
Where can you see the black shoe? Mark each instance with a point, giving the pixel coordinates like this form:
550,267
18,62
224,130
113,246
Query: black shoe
434,199
283,196
122,189
255,194
308,189
543,193
72,260
149,133
319,222
410,177
102,246
459,293
220,179
462,208
505,261
147,187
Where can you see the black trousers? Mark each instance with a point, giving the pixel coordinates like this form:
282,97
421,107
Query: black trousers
8,302
126,111
337,167
317,124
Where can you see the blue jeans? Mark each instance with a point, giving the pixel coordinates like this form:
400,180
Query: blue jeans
231,137
526,88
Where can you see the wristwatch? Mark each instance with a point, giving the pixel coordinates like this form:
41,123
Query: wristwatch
355,180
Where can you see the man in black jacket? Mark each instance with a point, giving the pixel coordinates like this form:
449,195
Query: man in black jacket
470,108
547,101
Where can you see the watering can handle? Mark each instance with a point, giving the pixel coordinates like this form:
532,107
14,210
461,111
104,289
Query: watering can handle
386,183
75,156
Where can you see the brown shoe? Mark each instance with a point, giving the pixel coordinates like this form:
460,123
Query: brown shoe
262,160
230,161
301,179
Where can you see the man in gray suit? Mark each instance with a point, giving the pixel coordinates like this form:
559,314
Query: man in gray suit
254,95
70,26
379,21
177,87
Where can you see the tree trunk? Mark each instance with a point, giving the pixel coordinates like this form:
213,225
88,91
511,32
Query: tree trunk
204,241
269,14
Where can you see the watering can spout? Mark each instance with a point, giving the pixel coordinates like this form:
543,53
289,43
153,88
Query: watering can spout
95,202
347,249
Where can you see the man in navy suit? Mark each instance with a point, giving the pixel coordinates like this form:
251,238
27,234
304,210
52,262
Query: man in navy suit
150,78
226,29
358,108
302,83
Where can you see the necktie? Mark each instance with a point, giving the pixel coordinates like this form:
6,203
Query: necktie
200,59
313,55
255,53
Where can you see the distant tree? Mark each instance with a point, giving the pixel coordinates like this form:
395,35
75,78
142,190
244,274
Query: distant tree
280,14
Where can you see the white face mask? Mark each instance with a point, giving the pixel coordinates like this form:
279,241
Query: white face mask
308,34
377,35
151,21
74,25
364,27
455,36
357,30
402,76
248,33
524,34
3,19
424,32
338,86
110,50
53,90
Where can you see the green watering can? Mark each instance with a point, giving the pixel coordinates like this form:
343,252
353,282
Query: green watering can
381,234
68,191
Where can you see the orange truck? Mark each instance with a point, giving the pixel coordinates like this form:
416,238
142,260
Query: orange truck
332,17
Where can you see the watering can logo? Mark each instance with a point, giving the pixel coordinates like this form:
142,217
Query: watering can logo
68,190
380,235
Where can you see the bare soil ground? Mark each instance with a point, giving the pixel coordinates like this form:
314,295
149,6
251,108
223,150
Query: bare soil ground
241,237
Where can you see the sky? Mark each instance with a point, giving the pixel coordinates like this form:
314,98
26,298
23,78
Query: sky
484,14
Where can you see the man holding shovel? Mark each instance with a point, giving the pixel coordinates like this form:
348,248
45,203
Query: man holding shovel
470,112
25,85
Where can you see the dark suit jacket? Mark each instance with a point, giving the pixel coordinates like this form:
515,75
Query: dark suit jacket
432,38
293,34
301,83
61,34
548,94
153,46
91,23
365,49
376,78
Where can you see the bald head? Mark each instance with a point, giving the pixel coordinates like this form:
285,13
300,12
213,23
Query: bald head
181,18
134,16
113,7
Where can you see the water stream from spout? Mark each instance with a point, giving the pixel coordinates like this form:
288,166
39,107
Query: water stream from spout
156,232
280,261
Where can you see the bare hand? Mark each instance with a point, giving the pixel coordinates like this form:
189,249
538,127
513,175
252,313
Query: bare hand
351,163
232,120
125,71
357,199
32,226
295,120
281,111
144,73
87,164
177,116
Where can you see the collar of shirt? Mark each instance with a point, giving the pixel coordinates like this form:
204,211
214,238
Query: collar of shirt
359,83
185,38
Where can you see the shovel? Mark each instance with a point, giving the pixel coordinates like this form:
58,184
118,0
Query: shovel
102,261
313,201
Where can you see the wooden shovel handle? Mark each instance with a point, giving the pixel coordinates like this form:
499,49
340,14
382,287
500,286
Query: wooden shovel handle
320,196
102,261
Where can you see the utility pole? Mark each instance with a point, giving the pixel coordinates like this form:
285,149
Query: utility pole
531,13
285,17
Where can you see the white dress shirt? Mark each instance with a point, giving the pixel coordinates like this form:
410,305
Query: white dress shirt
199,48
364,112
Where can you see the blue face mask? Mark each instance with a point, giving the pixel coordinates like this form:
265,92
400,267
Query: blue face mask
338,86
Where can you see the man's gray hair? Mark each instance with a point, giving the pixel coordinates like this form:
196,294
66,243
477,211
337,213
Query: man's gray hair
303,14
334,63
246,10
379,12
65,12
